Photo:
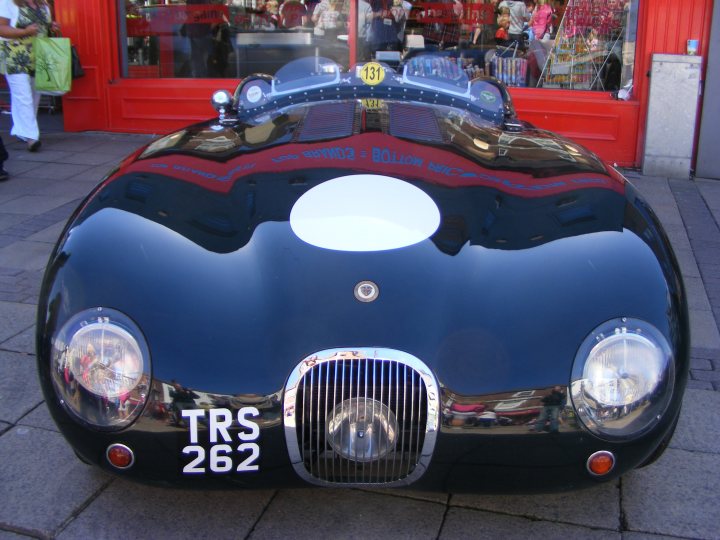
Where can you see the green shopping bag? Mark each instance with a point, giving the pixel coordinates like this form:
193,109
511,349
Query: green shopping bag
53,74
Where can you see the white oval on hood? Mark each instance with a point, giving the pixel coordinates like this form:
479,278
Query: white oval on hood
364,212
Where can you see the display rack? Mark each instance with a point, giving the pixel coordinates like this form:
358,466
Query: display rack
576,61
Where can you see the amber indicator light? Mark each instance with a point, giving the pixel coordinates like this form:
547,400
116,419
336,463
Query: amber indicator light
601,463
120,456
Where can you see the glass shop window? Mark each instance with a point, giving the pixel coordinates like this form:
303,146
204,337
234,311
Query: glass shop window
565,44
228,38
590,47
568,44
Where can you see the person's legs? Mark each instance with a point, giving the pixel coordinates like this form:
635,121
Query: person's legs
199,53
3,156
539,424
24,102
554,419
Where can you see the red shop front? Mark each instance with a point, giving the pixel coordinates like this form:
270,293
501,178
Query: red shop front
141,75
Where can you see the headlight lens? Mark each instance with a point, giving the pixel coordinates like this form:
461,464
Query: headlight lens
362,429
623,378
101,368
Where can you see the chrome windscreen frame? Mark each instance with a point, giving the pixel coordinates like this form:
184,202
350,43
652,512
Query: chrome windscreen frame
432,423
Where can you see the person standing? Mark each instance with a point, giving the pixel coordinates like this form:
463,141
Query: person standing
502,35
550,414
541,19
293,14
199,32
385,26
519,15
364,17
20,21
328,20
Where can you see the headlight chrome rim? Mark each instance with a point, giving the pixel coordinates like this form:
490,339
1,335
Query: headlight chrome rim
623,379
100,368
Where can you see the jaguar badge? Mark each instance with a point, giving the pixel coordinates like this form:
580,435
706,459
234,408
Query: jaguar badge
366,291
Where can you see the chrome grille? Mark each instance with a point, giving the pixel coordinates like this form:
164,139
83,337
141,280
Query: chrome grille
334,382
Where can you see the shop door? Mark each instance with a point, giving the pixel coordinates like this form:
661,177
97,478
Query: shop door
90,26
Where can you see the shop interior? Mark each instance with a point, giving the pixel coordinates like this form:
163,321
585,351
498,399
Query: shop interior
561,44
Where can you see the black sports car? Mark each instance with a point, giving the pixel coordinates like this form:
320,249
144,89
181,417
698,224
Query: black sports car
365,278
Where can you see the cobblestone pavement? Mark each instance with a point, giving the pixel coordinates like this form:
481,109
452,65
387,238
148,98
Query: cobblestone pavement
45,492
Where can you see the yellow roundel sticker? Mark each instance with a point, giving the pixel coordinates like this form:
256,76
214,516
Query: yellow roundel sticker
372,73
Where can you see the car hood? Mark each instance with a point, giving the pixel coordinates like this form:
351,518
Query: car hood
535,244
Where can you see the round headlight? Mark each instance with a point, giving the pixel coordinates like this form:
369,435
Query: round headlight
101,368
362,429
623,378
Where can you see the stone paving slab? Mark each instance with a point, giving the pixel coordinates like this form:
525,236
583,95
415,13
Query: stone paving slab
75,142
46,155
704,329
319,514
34,205
26,255
8,220
709,376
87,159
124,511
429,496
710,190
42,483
71,189
712,287
18,167
711,271
698,429
92,176
19,387
667,213
48,235
6,535
6,240
120,148
597,507
35,182
696,294
51,176
39,418
24,342
15,318
678,495
461,524
645,536
104,144
700,385
677,235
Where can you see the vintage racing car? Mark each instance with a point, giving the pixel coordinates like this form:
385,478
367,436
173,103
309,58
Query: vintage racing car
372,277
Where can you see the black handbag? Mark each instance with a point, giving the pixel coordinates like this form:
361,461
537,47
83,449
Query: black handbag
76,69
76,66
